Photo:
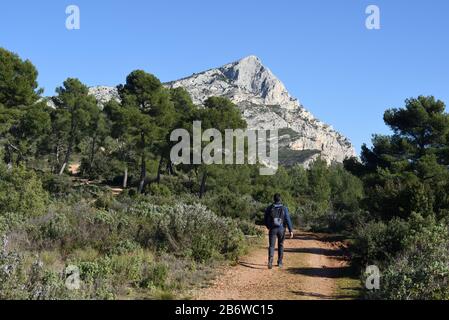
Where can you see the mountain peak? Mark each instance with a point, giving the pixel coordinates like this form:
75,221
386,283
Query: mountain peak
252,77
266,104
250,59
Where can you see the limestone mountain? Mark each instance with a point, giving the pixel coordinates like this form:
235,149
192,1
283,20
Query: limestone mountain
265,104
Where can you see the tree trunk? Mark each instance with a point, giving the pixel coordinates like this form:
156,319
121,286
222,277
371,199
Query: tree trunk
143,166
10,148
55,164
92,151
19,159
70,146
159,170
125,178
8,157
67,157
203,184
170,168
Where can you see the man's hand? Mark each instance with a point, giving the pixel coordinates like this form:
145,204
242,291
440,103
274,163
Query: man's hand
292,235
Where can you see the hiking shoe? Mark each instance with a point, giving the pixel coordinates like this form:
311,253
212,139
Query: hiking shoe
280,265
270,265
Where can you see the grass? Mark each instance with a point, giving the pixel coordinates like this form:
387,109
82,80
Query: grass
349,288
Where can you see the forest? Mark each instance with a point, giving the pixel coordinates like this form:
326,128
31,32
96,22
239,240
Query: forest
92,187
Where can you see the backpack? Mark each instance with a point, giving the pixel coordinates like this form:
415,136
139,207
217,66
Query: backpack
277,215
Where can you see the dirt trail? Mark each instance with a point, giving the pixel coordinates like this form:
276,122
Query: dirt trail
314,268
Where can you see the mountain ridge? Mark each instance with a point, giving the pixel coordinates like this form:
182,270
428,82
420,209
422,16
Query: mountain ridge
265,104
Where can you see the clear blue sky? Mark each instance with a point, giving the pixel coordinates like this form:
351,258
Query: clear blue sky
342,72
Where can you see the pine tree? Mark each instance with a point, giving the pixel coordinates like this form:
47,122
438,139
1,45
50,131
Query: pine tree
148,114
75,111
24,120
407,171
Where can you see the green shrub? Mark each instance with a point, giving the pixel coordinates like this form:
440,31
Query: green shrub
376,242
313,215
159,190
83,254
130,267
58,185
92,272
21,194
18,281
78,225
155,276
106,201
227,204
176,185
125,246
56,227
189,229
345,222
104,168
421,270
249,229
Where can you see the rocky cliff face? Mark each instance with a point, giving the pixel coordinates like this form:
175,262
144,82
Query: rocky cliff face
265,104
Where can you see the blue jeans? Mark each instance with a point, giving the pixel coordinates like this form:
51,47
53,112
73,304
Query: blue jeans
279,234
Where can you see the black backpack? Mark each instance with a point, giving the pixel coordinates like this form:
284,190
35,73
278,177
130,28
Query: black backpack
277,215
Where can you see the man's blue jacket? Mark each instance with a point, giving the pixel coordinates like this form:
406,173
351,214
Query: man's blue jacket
287,220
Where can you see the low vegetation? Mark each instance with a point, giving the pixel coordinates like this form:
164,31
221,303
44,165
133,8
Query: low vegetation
166,226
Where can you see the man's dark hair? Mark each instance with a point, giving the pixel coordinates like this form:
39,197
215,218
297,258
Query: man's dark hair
277,198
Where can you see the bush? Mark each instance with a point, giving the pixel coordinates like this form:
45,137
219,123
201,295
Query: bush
249,229
104,168
124,247
155,276
310,216
376,242
130,267
231,205
72,226
189,229
421,270
346,222
58,185
18,281
176,185
332,199
159,190
21,194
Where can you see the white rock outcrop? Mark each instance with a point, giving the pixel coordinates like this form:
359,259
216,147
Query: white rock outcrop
104,94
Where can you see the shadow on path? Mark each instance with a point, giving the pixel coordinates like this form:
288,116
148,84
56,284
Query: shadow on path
319,251
320,237
253,265
321,296
332,273
306,237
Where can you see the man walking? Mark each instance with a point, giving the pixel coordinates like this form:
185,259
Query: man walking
277,219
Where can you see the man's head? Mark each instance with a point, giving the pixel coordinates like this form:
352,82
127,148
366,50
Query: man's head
277,198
